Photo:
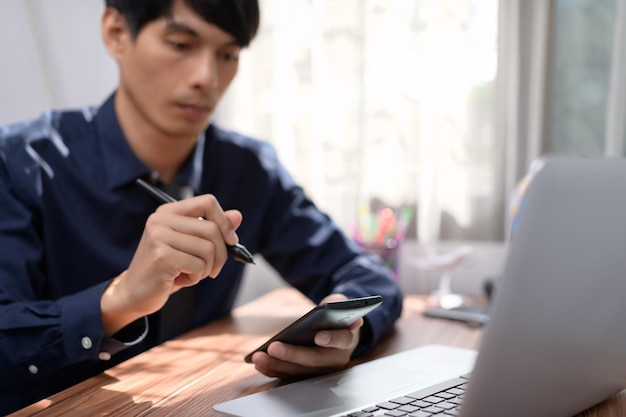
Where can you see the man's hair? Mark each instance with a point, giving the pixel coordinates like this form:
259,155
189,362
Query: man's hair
239,18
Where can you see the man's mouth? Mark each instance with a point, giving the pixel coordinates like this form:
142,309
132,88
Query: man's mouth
195,110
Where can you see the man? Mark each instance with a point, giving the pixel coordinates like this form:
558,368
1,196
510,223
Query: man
93,271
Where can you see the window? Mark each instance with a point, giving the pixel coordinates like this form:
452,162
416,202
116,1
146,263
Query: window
580,76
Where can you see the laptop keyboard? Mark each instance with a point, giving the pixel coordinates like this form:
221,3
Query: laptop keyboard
442,400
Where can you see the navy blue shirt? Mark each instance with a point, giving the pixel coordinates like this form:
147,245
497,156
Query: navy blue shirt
71,216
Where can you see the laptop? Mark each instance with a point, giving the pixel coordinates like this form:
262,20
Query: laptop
555,343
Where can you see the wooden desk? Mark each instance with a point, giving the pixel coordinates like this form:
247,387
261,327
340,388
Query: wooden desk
186,376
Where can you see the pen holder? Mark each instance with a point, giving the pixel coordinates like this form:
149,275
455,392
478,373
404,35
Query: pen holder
388,251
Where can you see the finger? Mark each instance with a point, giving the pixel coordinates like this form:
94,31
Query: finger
276,368
188,235
234,217
333,297
346,338
204,257
208,207
172,261
212,248
312,357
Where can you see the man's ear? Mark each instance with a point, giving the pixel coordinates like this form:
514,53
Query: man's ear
115,32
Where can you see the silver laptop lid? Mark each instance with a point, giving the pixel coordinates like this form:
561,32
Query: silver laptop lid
556,341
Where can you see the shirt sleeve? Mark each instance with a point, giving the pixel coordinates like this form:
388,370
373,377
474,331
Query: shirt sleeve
312,253
38,336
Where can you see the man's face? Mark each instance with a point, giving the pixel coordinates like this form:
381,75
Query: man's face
175,71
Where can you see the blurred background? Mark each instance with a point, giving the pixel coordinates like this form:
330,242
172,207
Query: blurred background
436,105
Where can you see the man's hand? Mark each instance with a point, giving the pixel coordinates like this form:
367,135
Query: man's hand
176,250
332,352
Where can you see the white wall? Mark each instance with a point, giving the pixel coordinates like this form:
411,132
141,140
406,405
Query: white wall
51,56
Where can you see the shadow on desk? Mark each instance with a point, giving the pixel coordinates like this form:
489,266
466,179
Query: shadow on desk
97,400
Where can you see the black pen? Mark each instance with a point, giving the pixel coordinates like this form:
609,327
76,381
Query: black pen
237,251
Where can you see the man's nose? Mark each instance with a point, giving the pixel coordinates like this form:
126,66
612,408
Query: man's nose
205,76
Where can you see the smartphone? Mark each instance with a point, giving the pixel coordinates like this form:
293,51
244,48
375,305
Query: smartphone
325,316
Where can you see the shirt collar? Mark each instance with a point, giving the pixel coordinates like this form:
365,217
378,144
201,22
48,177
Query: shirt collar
122,165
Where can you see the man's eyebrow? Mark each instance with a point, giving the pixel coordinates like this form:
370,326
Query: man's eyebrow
181,27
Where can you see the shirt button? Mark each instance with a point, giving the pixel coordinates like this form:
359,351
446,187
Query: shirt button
86,342
33,369
104,356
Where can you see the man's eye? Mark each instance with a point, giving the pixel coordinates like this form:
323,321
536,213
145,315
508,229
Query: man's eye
229,57
180,46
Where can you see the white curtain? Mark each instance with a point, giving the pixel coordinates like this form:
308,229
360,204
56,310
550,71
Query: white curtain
384,102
